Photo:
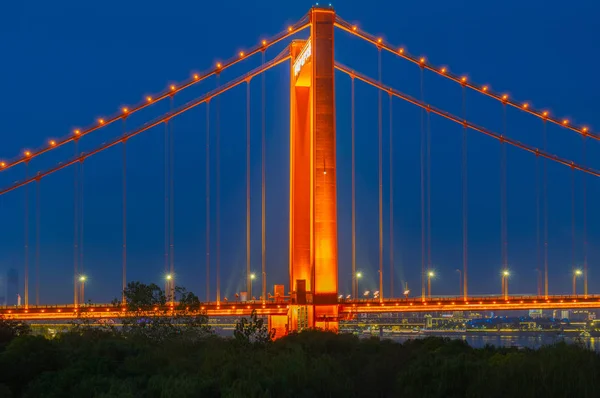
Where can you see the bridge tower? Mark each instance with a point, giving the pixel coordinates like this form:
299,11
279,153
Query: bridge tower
313,263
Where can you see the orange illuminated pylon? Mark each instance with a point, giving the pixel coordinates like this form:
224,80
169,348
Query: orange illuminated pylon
313,215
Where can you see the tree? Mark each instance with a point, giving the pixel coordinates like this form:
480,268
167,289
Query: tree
11,328
254,331
148,315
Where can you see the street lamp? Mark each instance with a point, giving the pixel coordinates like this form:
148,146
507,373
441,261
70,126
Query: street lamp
358,276
539,281
168,290
82,279
505,275
430,275
252,278
576,273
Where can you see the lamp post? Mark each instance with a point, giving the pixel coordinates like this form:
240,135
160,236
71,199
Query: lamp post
168,281
82,280
252,278
430,275
505,275
460,288
358,276
576,273
380,286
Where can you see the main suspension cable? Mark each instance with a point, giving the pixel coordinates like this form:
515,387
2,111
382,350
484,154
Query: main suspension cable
469,125
443,71
150,100
283,57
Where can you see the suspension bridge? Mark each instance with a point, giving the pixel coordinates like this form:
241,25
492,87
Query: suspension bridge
312,296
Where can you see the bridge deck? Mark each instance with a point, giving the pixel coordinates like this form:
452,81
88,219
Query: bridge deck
347,308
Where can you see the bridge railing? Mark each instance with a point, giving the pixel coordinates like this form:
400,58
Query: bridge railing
473,299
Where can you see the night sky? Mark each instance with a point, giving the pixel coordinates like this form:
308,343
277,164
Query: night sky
64,64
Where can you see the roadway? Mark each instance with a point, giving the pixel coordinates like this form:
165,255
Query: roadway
347,308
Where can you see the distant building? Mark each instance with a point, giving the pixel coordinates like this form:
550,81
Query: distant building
564,314
534,314
12,287
582,315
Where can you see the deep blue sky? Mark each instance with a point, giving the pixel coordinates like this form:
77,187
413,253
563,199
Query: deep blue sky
66,63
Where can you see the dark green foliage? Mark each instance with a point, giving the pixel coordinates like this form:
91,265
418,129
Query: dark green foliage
253,331
9,329
177,356
308,364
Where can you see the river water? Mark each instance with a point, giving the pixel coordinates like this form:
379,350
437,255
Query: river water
523,341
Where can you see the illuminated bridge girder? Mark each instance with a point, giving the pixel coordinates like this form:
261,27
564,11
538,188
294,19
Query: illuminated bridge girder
346,309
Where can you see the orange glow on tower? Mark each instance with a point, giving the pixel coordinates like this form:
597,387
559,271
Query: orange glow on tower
313,214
